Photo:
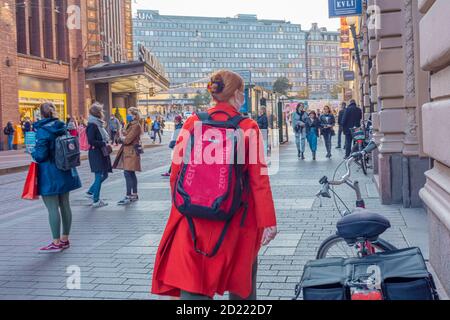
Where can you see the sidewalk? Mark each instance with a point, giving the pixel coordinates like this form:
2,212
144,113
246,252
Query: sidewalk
115,247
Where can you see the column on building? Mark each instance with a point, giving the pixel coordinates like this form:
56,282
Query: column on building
370,22
390,86
8,68
435,58
415,164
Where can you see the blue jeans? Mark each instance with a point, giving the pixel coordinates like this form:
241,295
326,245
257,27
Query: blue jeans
100,177
300,141
10,142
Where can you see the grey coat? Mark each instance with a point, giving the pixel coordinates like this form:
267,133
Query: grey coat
300,120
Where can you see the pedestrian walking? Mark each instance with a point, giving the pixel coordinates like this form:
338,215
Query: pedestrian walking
263,124
9,133
178,126
181,269
312,132
352,119
340,122
149,123
163,125
299,119
114,128
99,153
156,129
26,125
72,127
327,123
54,185
129,156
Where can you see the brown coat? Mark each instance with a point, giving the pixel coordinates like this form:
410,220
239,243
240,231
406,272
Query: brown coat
127,158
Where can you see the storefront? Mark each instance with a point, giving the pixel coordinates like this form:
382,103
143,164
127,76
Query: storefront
33,92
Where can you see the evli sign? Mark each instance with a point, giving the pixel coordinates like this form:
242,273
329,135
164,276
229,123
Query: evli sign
343,8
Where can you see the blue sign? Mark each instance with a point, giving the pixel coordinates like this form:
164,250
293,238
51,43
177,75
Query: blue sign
244,108
343,8
246,75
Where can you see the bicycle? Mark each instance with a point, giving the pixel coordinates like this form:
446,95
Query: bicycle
358,232
360,137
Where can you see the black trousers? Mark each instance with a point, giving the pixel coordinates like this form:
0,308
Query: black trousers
131,181
340,136
348,144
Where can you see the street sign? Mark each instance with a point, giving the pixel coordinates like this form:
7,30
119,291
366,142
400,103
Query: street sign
343,8
349,75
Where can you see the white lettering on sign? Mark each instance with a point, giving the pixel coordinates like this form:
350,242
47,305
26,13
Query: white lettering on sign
345,4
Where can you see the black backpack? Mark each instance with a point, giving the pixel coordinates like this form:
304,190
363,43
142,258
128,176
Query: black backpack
67,152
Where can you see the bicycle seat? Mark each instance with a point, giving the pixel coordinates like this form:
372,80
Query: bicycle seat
362,224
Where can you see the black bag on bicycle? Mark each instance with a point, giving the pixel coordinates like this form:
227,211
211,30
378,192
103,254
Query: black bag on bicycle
403,275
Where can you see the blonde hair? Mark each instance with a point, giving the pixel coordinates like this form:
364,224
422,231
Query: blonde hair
224,84
135,112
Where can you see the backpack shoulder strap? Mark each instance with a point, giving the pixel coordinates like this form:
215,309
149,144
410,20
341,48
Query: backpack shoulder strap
236,121
203,116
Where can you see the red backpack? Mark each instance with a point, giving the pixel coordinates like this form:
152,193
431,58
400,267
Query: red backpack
211,191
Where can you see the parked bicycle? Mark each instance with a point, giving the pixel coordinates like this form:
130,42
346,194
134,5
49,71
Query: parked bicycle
359,230
360,136
355,263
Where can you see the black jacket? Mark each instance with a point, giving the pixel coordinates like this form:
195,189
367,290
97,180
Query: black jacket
352,118
263,122
341,117
97,161
327,119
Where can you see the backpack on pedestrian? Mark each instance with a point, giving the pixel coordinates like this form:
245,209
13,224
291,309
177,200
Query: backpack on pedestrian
67,152
212,191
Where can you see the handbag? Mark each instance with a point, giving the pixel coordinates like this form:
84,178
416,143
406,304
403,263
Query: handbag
107,150
30,189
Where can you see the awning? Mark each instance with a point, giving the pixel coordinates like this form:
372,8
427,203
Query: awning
128,77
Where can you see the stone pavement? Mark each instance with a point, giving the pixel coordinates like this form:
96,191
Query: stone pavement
115,247
18,160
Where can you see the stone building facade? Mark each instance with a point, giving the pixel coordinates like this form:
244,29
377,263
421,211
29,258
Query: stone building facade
405,77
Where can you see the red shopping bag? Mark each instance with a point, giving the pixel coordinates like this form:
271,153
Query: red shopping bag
30,189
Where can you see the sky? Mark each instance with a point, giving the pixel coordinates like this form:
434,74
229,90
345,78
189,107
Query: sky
303,12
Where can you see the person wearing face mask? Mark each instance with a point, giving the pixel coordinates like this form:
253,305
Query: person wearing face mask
181,270
299,118
129,156
312,132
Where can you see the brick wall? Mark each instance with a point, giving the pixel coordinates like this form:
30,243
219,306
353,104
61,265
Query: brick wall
8,74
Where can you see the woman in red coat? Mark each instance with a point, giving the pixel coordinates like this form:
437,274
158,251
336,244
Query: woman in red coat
182,272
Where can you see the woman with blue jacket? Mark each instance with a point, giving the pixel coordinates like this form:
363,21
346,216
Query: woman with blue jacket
54,185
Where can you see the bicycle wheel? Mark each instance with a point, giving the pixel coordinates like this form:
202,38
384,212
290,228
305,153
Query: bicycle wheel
362,163
337,247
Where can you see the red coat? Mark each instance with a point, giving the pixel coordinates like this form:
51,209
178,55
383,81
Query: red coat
178,266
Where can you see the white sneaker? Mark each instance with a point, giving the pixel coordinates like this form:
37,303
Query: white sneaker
99,204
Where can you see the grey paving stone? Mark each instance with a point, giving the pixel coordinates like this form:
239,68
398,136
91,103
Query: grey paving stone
48,292
112,287
113,294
